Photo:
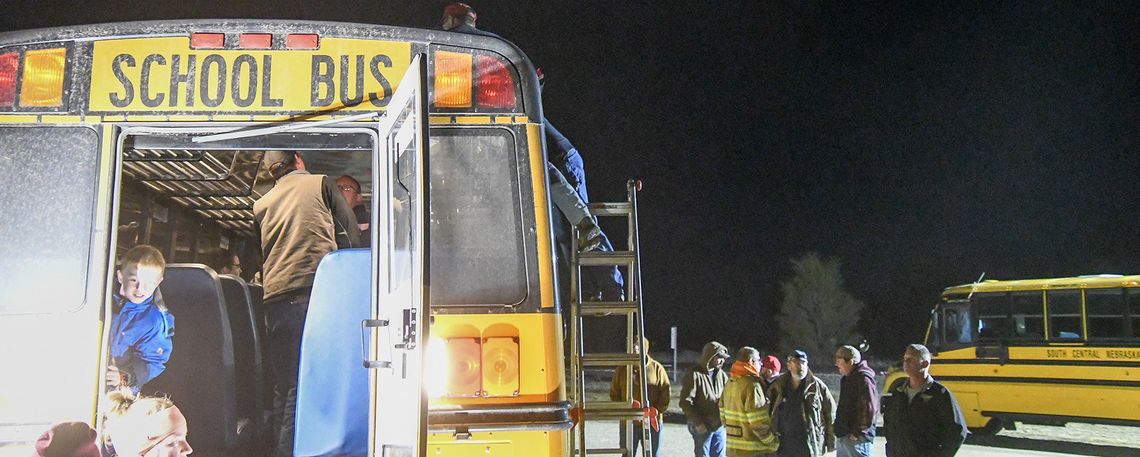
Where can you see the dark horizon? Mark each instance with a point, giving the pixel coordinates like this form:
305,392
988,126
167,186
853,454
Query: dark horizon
920,144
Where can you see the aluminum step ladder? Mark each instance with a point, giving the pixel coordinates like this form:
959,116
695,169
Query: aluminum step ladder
587,412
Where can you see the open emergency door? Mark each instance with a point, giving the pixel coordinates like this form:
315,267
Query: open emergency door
400,271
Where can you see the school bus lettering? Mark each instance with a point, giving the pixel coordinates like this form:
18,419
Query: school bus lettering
163,75
326,75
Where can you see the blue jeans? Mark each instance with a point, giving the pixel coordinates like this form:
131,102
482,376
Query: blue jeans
844,447
654,440
709,443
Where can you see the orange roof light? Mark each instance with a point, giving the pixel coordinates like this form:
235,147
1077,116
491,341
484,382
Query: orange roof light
452,85
255,41
43,77
200,40
302,41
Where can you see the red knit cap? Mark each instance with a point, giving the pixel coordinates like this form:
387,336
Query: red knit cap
771,362
67,439
459,10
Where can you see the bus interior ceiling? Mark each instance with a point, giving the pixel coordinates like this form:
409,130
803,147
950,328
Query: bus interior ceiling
192,203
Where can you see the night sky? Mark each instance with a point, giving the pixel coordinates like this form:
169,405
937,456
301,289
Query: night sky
921,144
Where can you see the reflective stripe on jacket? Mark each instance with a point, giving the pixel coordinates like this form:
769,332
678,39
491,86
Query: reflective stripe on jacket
744,411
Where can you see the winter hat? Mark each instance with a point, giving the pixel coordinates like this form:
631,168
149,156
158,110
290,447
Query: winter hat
771,362
67,439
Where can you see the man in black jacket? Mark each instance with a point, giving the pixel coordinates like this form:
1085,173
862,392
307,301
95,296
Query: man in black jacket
922,415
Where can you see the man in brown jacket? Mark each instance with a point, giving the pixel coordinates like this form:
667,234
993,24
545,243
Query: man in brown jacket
700,395
300,220
657,391
802,411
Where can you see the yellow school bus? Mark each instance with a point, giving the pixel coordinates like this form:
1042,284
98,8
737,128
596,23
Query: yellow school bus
1043,351
120,134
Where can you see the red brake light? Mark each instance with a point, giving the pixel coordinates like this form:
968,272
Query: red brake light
207,40
9,67
302,41
495,86
255,41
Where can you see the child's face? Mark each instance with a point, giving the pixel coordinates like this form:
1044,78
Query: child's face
139,282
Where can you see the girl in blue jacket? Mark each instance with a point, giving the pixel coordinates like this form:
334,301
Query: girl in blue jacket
142,329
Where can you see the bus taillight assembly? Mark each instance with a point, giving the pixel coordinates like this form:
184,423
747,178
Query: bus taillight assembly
476,367
466,80
43,77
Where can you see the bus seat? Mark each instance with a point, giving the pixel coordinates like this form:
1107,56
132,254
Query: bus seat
247,356
199,377
256,295
332,389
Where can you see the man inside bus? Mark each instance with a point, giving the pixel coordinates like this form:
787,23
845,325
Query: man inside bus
922,417
300,220
350,189
229,263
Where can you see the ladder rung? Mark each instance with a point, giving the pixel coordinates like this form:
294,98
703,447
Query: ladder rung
607,451
605,308
608,405
611,209
627,414
599,258
610,360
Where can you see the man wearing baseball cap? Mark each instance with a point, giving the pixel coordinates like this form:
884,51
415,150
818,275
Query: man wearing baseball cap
769,370
802,410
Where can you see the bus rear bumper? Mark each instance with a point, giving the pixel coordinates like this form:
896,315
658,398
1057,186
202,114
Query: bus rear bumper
500,418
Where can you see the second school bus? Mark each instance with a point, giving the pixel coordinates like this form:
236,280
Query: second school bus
152,133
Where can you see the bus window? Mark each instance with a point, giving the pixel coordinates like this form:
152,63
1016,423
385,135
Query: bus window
1028,315
477,252
49,177
1105,309
957,322
1064,314
993,316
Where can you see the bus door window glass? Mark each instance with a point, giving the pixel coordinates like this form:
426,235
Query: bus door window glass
956,324
1028,315
49,177
1064,308
477,254
993,316
1105,310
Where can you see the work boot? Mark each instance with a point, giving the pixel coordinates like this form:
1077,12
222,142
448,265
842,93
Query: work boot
589,235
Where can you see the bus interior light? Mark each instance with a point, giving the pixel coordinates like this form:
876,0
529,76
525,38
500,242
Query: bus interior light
9,67
255,41
496,87
302,41
43,77
200,40
501,367
452,86
463,373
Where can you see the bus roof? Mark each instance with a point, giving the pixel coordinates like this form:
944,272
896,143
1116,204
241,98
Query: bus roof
1076,282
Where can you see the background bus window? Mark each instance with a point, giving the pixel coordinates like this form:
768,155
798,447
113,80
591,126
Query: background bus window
1064,314
1105,309
49,177
1134,307
993,316
1028,314
956,324
477,254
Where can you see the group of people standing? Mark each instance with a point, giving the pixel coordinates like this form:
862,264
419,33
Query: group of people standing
755,410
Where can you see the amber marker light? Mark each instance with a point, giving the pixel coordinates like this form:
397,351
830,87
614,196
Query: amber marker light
43,77
452,79
501,367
